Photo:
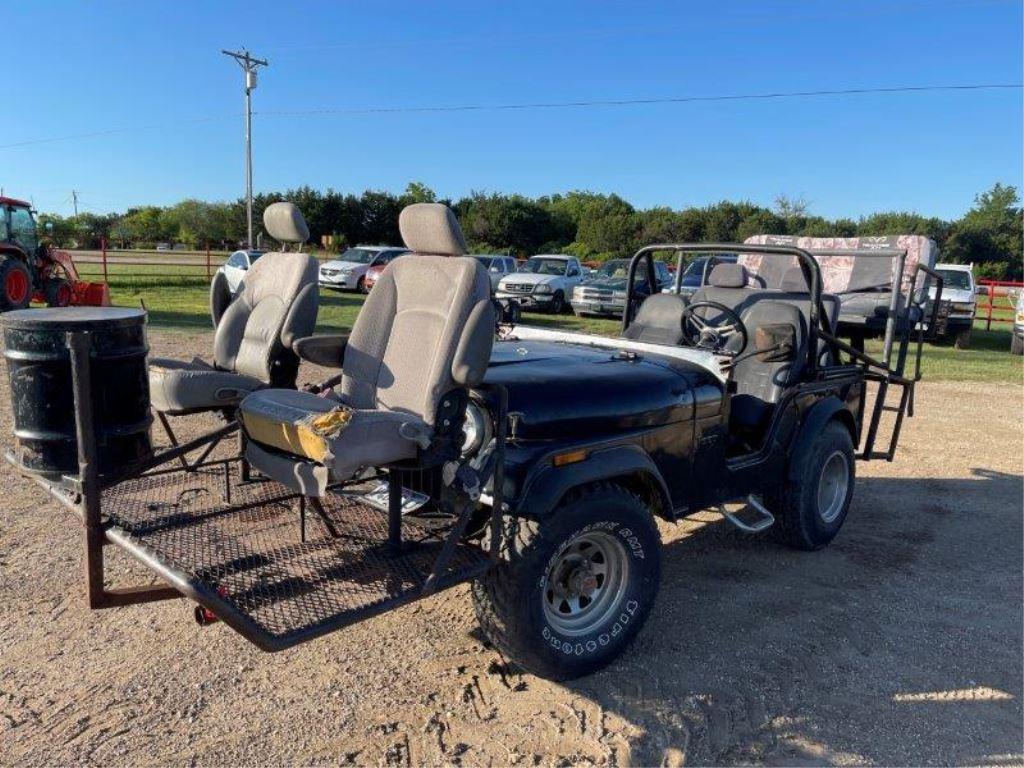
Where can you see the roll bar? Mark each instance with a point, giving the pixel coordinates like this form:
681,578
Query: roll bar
817,320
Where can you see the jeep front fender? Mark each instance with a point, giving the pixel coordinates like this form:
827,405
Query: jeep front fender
546,487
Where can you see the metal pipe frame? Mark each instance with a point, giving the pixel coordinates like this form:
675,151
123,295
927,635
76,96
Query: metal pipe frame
808,265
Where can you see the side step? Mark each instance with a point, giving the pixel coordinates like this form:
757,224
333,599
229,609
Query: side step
250,566
766,520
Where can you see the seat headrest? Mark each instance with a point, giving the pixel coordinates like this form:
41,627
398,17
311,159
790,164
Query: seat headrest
793,281
728,276
431,228
285,224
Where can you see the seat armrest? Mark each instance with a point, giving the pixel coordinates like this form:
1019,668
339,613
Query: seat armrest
327,350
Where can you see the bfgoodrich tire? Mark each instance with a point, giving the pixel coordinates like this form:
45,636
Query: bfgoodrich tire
810,510
573,590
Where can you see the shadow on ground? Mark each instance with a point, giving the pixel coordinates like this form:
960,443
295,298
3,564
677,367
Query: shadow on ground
899,644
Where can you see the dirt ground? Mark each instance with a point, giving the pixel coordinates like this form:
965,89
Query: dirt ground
899,644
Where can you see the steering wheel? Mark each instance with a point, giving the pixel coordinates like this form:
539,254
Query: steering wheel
714,336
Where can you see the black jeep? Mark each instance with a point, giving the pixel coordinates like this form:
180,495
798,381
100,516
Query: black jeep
537,476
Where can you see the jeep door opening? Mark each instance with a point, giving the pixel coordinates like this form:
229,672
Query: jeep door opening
529,462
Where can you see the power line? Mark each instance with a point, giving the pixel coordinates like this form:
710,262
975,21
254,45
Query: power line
637,102
823,93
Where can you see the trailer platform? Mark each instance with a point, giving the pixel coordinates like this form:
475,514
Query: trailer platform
255,556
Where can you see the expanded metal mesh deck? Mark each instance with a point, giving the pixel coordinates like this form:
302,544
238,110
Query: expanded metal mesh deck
246,562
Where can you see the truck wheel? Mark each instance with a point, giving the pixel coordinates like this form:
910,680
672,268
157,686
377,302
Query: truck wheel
58,293
1016,344
963,340
558,303
570,592
15,285
810,510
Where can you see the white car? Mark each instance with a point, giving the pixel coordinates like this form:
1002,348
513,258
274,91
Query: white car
236,266
544,282
959,300
346,272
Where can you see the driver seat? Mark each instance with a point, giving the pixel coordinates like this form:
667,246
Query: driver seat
659,320
424,334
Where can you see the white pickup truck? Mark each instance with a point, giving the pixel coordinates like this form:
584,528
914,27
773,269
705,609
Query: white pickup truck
960,295
544,282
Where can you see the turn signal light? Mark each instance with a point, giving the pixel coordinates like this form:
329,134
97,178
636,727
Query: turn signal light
571,457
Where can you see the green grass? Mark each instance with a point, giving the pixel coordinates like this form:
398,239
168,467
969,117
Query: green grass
181,303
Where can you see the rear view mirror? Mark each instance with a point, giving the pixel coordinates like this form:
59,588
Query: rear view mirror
775,343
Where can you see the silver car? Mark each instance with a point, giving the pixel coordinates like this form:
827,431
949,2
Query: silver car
497,266
236,266
347,272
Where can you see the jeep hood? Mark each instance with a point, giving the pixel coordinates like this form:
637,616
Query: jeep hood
564,391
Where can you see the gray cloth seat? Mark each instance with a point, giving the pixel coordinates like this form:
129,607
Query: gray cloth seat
425,331
759,383
659,320
276,304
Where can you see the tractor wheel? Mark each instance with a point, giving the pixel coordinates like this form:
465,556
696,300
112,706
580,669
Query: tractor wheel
15,285
58,293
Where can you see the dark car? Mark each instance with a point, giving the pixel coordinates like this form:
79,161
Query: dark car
603,292
697,272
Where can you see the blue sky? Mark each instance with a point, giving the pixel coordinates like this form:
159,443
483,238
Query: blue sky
154,68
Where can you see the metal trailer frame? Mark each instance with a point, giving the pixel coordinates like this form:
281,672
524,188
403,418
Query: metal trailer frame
84,496
899,328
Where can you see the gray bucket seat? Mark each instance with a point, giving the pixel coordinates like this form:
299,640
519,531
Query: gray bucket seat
276,304
425,331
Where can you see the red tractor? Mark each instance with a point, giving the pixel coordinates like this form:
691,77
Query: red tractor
30,269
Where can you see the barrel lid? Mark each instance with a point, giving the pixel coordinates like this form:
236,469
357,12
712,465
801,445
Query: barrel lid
73,318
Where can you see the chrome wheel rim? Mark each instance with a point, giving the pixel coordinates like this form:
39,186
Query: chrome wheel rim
586,583
832,486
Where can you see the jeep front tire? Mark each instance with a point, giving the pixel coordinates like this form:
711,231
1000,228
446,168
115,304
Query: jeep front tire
571,591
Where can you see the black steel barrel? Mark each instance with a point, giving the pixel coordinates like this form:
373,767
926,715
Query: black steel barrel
36,347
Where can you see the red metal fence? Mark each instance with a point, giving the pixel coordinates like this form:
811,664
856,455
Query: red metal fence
998,296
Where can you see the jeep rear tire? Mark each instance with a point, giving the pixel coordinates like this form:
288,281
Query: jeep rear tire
15,284
810,510
571,591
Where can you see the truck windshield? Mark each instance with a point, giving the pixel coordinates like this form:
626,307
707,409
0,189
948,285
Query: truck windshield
613,268
955,278
545,266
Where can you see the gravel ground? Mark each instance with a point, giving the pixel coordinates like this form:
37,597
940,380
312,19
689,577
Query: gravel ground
899,644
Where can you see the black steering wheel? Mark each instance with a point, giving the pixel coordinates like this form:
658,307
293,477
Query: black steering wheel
714,336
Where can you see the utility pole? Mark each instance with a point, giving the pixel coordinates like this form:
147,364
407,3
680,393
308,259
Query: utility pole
249,65
74,201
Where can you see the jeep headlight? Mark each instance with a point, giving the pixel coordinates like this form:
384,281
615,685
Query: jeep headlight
476,429
543,288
